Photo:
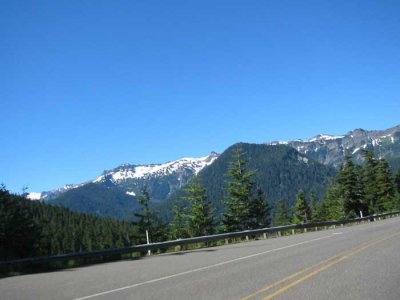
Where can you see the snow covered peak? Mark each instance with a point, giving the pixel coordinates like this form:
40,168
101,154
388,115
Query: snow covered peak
125,172
325,137
317,138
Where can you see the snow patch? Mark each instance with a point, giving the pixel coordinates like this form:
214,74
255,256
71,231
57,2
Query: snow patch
34,196
131,193
375,142
325,137
303,159
99,179
279,143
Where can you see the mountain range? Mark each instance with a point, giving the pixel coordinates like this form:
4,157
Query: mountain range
331,149
282,168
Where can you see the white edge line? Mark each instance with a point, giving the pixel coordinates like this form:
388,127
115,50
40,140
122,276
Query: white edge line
200,269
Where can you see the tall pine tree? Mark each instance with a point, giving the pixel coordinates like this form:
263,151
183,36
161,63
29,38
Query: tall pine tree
351,189
149,221
369,181
397,187
240,189
384,187
179,222
259,212
302,211
282,216
200,212
334,204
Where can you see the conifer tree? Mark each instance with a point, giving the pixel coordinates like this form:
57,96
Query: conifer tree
385,187
179,222
281,214
146,217
397,182
351,189
334,204
397,188
320,212
259,211
314,203
200,212
369,181
302,211
240,189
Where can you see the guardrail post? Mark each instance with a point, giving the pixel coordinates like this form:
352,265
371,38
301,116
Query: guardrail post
226,241
148,242
305,230
265,236
341,225
293,232
316,228
247,238
326,227
279,233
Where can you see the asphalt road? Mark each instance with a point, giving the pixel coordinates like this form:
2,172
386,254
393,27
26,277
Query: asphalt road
357,262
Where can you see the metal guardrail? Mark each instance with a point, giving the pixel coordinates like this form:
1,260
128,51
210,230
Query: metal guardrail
186,241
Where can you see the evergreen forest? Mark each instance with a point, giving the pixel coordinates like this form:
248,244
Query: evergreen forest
31,228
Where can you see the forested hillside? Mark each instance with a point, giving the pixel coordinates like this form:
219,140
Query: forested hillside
31,228
280,172
114,193
99,199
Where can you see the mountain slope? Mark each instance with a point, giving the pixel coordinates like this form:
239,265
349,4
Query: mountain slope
114,193
331,150
161,179
100,200
280,171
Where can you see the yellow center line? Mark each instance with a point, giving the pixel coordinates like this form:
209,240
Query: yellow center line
323,268
327,263
276,283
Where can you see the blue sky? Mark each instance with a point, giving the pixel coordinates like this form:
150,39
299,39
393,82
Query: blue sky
88,85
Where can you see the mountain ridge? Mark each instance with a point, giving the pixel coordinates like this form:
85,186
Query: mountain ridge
128,171
332,149
123,184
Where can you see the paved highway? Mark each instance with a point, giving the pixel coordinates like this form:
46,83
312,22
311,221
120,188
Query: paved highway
357,262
